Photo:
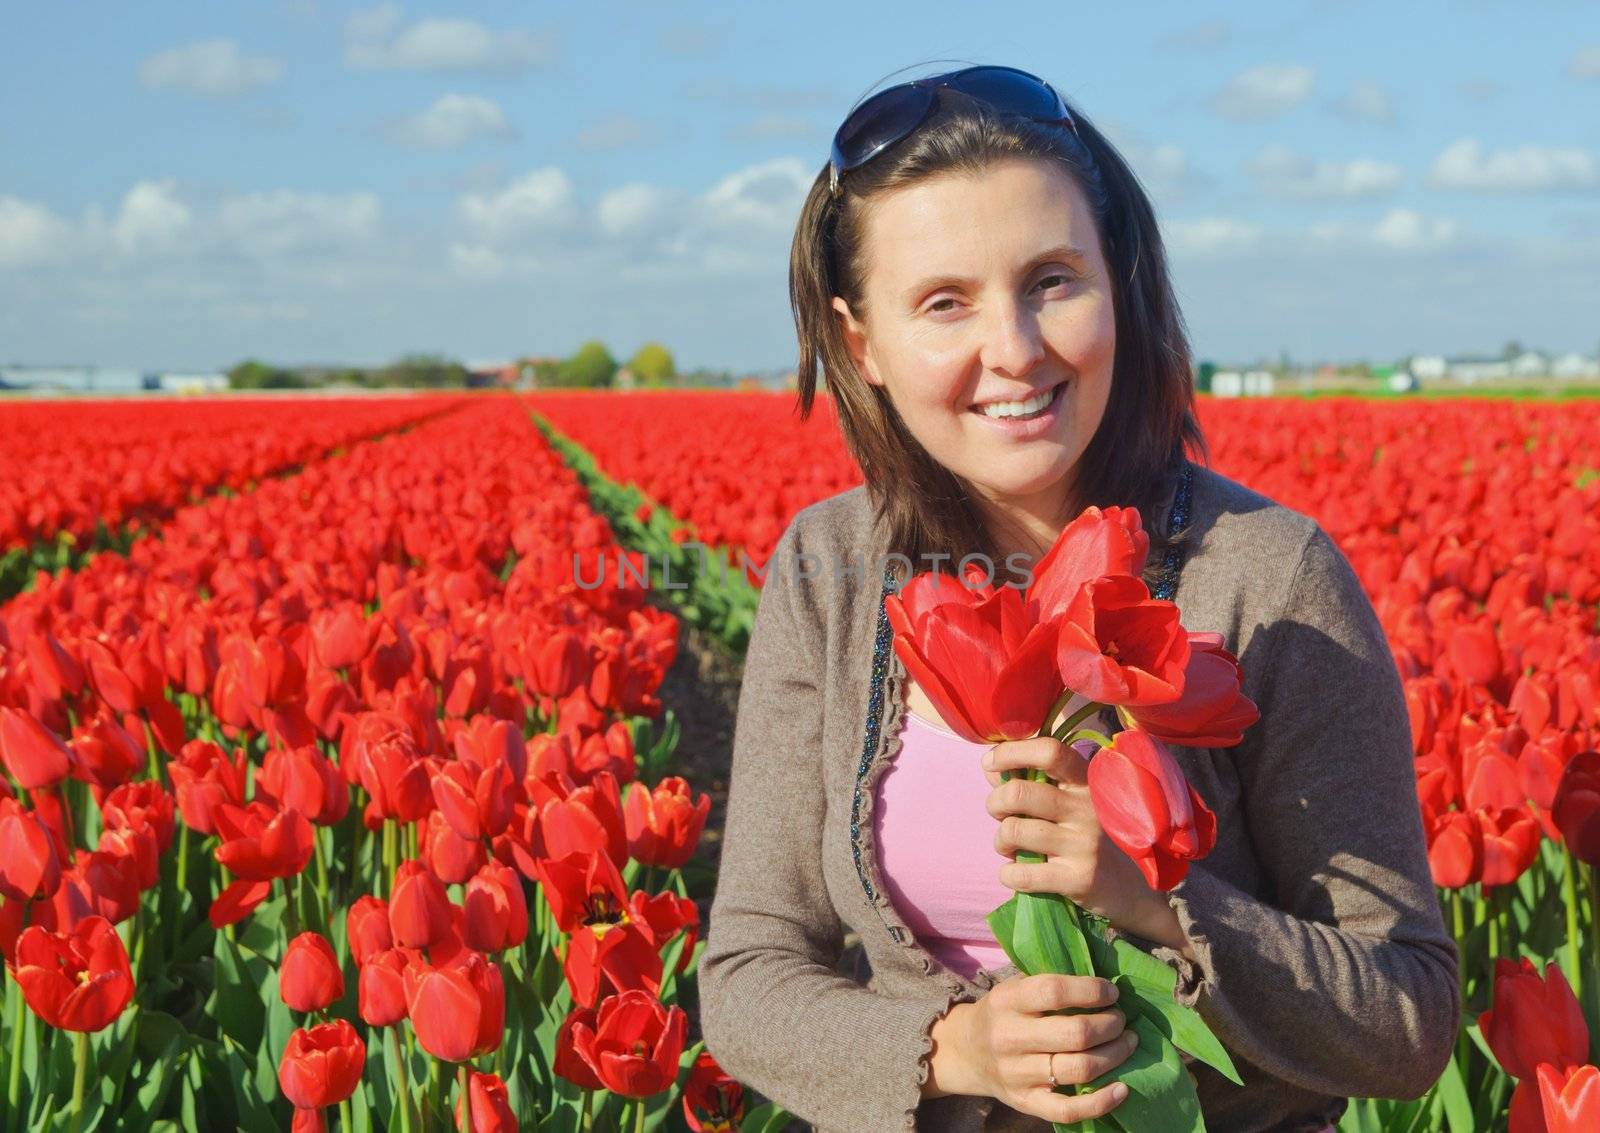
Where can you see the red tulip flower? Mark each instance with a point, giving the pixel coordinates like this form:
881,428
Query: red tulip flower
458,1011
103,883
77,980
1576,809
1118,645
204,778
310,978
1570,1097
1098,542
304,779
381,988
258,845
1533,1020
664,823
568,1063
33,754
713,1100
987,667
322,1066
1149,809
419,907
634,1045
29,866
495,909
1455,849
1510,842
367,928
1212,712
487,1107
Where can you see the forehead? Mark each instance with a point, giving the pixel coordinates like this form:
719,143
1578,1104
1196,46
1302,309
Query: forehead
963,222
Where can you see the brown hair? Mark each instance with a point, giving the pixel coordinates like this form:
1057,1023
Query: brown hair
1149,417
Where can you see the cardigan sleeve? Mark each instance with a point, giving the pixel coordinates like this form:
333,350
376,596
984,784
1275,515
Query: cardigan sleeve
1345,983
774,1011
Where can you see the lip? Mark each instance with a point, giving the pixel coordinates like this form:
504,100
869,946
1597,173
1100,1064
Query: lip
1033,426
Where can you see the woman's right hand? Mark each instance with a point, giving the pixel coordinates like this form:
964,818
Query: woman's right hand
1010,1032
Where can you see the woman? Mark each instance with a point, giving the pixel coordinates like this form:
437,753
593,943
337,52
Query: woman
981,279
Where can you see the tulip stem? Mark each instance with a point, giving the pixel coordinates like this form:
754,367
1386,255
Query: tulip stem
1593,873
463,1088
1089,734
14,1082
586,1119
80,1076
1075,719
346,1118
388,858
1569,895
402,1089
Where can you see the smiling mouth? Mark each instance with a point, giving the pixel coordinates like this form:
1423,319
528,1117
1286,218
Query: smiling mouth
1055,395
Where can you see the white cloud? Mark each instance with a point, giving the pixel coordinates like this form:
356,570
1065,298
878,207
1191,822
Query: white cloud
474,261
378,39
1210,235
1366,102
1264,92
211,68
280,222
632,208
453,121
763,196
151,219
541,200
1526,169
30,233
1586,63
1398,230
1285,173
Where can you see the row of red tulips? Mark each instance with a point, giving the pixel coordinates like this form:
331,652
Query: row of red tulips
72,467
351,747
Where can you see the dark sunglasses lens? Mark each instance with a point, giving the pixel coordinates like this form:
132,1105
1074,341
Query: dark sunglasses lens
1010,90
880,121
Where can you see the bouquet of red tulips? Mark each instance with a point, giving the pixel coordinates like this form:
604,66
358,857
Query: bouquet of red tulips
1000,662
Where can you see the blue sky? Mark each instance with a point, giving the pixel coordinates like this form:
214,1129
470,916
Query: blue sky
186,184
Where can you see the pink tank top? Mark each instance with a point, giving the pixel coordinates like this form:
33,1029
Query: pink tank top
935,844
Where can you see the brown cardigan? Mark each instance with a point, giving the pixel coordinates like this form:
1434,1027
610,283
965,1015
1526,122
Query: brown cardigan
1322,964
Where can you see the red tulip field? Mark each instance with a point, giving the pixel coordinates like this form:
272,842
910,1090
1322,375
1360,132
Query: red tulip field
336,799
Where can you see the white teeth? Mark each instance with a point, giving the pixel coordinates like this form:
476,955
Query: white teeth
1017,408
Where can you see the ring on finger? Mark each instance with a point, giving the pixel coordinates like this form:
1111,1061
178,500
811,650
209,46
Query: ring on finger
1051,1059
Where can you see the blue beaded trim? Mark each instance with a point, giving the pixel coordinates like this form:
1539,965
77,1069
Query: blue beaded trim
1166,586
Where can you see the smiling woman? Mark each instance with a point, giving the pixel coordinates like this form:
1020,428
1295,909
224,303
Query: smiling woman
980,278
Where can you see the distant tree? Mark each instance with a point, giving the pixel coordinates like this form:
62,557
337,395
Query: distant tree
255,374
421,371
1202,377
653,365
1512,349
591,367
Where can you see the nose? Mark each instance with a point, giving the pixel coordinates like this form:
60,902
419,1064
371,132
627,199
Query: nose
1013,344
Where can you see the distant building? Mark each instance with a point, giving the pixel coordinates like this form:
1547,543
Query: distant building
624,379
1479,369
1429,367
1574,365
191,383
1530,364
77,379
1403,381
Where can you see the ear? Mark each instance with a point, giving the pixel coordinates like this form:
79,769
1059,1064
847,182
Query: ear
855,341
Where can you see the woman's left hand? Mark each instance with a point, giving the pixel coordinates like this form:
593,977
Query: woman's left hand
1058,820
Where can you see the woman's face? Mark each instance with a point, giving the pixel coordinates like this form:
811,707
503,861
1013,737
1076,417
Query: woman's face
991,289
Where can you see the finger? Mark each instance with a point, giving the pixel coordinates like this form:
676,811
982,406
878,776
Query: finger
1068,1108
1077,1066
1017,832
1076,1032
1053,991
1063,764
1015,755
1023,796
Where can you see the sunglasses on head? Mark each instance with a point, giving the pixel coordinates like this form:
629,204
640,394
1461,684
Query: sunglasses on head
892,114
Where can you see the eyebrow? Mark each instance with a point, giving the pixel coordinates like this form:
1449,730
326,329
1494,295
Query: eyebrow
934,282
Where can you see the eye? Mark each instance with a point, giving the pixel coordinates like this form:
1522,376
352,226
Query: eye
934,306
1061,275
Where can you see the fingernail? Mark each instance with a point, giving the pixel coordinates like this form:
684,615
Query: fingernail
988,758
1119,1091
1110,991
